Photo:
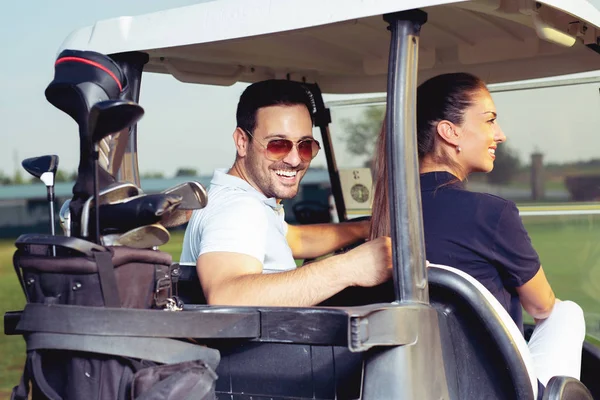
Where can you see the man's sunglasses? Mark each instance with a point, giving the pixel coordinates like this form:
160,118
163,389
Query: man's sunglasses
278,149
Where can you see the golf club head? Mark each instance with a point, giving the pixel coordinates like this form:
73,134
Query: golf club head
194,197
43,167
142,237
64,216
145,209
112,116
116,192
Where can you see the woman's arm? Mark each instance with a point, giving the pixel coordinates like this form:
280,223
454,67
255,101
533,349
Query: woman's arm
537,296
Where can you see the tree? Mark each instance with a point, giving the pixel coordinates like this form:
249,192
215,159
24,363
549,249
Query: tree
361,137
152,175
4,179
62,176
186,172
506,165
18,178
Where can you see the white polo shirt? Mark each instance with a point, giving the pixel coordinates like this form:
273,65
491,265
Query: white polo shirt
239,219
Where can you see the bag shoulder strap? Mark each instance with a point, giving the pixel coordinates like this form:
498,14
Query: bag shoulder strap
108,281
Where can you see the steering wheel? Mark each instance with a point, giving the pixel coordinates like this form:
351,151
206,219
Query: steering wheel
311,212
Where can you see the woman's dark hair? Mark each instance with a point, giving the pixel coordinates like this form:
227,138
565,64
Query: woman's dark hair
444,97
268,93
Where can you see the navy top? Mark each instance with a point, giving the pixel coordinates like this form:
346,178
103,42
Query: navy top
480,234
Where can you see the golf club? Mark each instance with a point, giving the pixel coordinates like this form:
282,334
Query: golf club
64,217
129,213
44,168
105,118
193,197
116,192
142,237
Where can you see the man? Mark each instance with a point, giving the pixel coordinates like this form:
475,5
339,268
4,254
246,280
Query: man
243,250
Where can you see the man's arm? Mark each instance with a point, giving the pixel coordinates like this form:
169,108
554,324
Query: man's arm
310,241
237,279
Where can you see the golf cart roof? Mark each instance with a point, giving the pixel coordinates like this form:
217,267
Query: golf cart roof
343,45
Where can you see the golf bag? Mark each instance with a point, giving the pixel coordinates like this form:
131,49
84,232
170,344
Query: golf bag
90,329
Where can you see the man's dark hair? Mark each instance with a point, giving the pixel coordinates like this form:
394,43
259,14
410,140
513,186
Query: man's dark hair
268,93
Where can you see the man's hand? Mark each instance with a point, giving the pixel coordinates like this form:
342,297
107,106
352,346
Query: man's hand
370,264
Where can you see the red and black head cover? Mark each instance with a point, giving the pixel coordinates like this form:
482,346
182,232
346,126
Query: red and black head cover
81,79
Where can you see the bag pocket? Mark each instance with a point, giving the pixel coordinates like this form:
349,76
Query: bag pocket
182,381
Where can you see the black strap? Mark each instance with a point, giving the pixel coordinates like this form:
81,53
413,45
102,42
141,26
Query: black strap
160,350
175,273
68,242
103,321
108,281
17,268
21,391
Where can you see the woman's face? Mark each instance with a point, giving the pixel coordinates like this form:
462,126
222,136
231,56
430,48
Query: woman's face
480,134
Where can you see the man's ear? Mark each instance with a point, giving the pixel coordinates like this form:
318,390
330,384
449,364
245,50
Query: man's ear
448,132
240,138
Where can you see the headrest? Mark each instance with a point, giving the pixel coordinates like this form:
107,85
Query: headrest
82,78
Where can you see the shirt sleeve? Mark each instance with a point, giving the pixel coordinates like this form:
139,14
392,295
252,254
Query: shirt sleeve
514,254
239,226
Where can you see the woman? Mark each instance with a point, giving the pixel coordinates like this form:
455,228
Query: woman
481,234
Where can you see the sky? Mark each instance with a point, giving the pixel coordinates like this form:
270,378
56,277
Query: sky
190,126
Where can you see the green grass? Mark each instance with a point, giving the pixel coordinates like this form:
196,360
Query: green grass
12,348
568,246
570,254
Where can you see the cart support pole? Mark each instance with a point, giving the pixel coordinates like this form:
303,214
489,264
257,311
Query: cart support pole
414,370
410,274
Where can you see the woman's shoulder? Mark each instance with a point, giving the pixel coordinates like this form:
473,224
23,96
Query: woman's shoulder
497,203
477,202
493,199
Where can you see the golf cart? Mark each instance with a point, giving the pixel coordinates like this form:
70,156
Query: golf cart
430,333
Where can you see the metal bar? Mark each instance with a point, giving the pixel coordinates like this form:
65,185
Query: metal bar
334,174
511,87
406,221
52,228
132,65
322,121
493,88
558,213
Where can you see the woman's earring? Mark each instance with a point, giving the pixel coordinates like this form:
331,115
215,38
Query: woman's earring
458,149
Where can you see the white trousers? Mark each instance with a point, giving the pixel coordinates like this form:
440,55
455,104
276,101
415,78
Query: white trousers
556,343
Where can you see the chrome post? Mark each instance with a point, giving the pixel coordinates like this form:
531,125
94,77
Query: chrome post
410,275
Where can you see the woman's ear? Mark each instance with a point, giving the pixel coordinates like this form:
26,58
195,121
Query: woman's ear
240,138
448,132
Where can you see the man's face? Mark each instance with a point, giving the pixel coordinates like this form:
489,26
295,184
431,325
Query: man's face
278,179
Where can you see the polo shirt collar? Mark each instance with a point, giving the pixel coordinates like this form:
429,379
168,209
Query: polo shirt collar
222,178
434,180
